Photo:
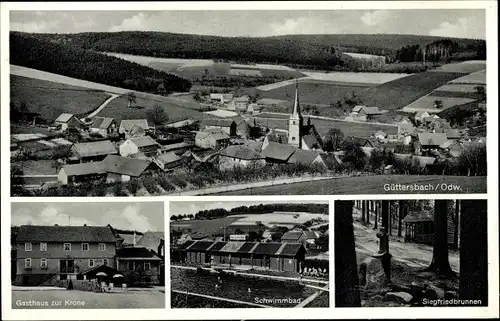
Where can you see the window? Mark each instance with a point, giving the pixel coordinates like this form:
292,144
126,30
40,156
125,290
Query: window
67,246
131,265
91,263
85,246
293,138
105,262
294,123
147,266
43,247
27,246
102,246
27,263
43,263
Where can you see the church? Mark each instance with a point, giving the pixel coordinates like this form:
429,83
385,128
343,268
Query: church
299,135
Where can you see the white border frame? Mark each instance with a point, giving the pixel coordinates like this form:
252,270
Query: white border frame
210,314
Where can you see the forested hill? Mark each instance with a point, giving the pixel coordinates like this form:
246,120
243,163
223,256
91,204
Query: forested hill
77,62
257,209
170,45
294,50
379,44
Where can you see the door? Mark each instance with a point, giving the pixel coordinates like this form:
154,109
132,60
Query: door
66,266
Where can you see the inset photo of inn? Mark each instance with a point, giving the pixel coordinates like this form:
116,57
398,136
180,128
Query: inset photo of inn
107,255
249,254
412,253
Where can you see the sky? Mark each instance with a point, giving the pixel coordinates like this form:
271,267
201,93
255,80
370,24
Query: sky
462,23
182,208
139,216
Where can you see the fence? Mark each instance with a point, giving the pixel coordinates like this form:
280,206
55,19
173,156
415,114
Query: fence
82,285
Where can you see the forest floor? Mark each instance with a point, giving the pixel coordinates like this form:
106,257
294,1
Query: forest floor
408,273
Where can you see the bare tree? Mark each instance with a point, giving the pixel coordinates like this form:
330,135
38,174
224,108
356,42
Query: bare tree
131,97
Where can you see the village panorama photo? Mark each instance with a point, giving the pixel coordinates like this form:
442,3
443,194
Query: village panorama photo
87,255
197,103
247,254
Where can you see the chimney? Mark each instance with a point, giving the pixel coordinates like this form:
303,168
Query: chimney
56,224
84,224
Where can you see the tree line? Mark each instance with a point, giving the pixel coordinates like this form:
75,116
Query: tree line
254,209
72,61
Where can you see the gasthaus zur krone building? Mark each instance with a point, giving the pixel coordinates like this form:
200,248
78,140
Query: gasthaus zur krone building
269,256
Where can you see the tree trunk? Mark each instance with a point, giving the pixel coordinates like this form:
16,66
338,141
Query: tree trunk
385,215
346,268
376,215
400,216
456,221
440,263
363,211
368,212
474,251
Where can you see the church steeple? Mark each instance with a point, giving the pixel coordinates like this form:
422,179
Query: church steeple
296,103
295,121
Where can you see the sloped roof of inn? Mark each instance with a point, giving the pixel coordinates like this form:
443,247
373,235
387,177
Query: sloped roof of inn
200,246
37,233
267,248
137,253
87,149
84,169
231,247
125,165
217,246
247,247
278,151
240,152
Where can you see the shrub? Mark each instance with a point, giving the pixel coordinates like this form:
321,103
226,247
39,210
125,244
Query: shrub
165,184
133,185
150,184
118,189
179,181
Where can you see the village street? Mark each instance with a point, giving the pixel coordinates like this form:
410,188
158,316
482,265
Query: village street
60,298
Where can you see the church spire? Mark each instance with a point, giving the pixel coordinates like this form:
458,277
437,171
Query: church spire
296,104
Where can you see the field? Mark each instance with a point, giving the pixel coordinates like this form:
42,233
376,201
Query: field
175,108
426,103
373,185
132,299
401,92
476,78
205,227
117,108
51,99
323,126
43,75
236,287
313,92
374,78
196,68
277,217
465,67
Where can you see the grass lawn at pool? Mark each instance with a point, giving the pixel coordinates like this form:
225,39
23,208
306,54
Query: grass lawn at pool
131,299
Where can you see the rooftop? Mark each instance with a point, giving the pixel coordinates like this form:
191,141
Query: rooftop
38,233
125,165
104,147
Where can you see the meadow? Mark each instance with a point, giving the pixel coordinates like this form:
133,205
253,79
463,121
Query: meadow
51,99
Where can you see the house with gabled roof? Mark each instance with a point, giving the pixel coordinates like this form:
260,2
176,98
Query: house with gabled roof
240,156
104,126
93,151
431,140
141,260
133,127
145,145
228,126
168,161
212,138
122,169
307,158
46,254
67,121
81,173
278,153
